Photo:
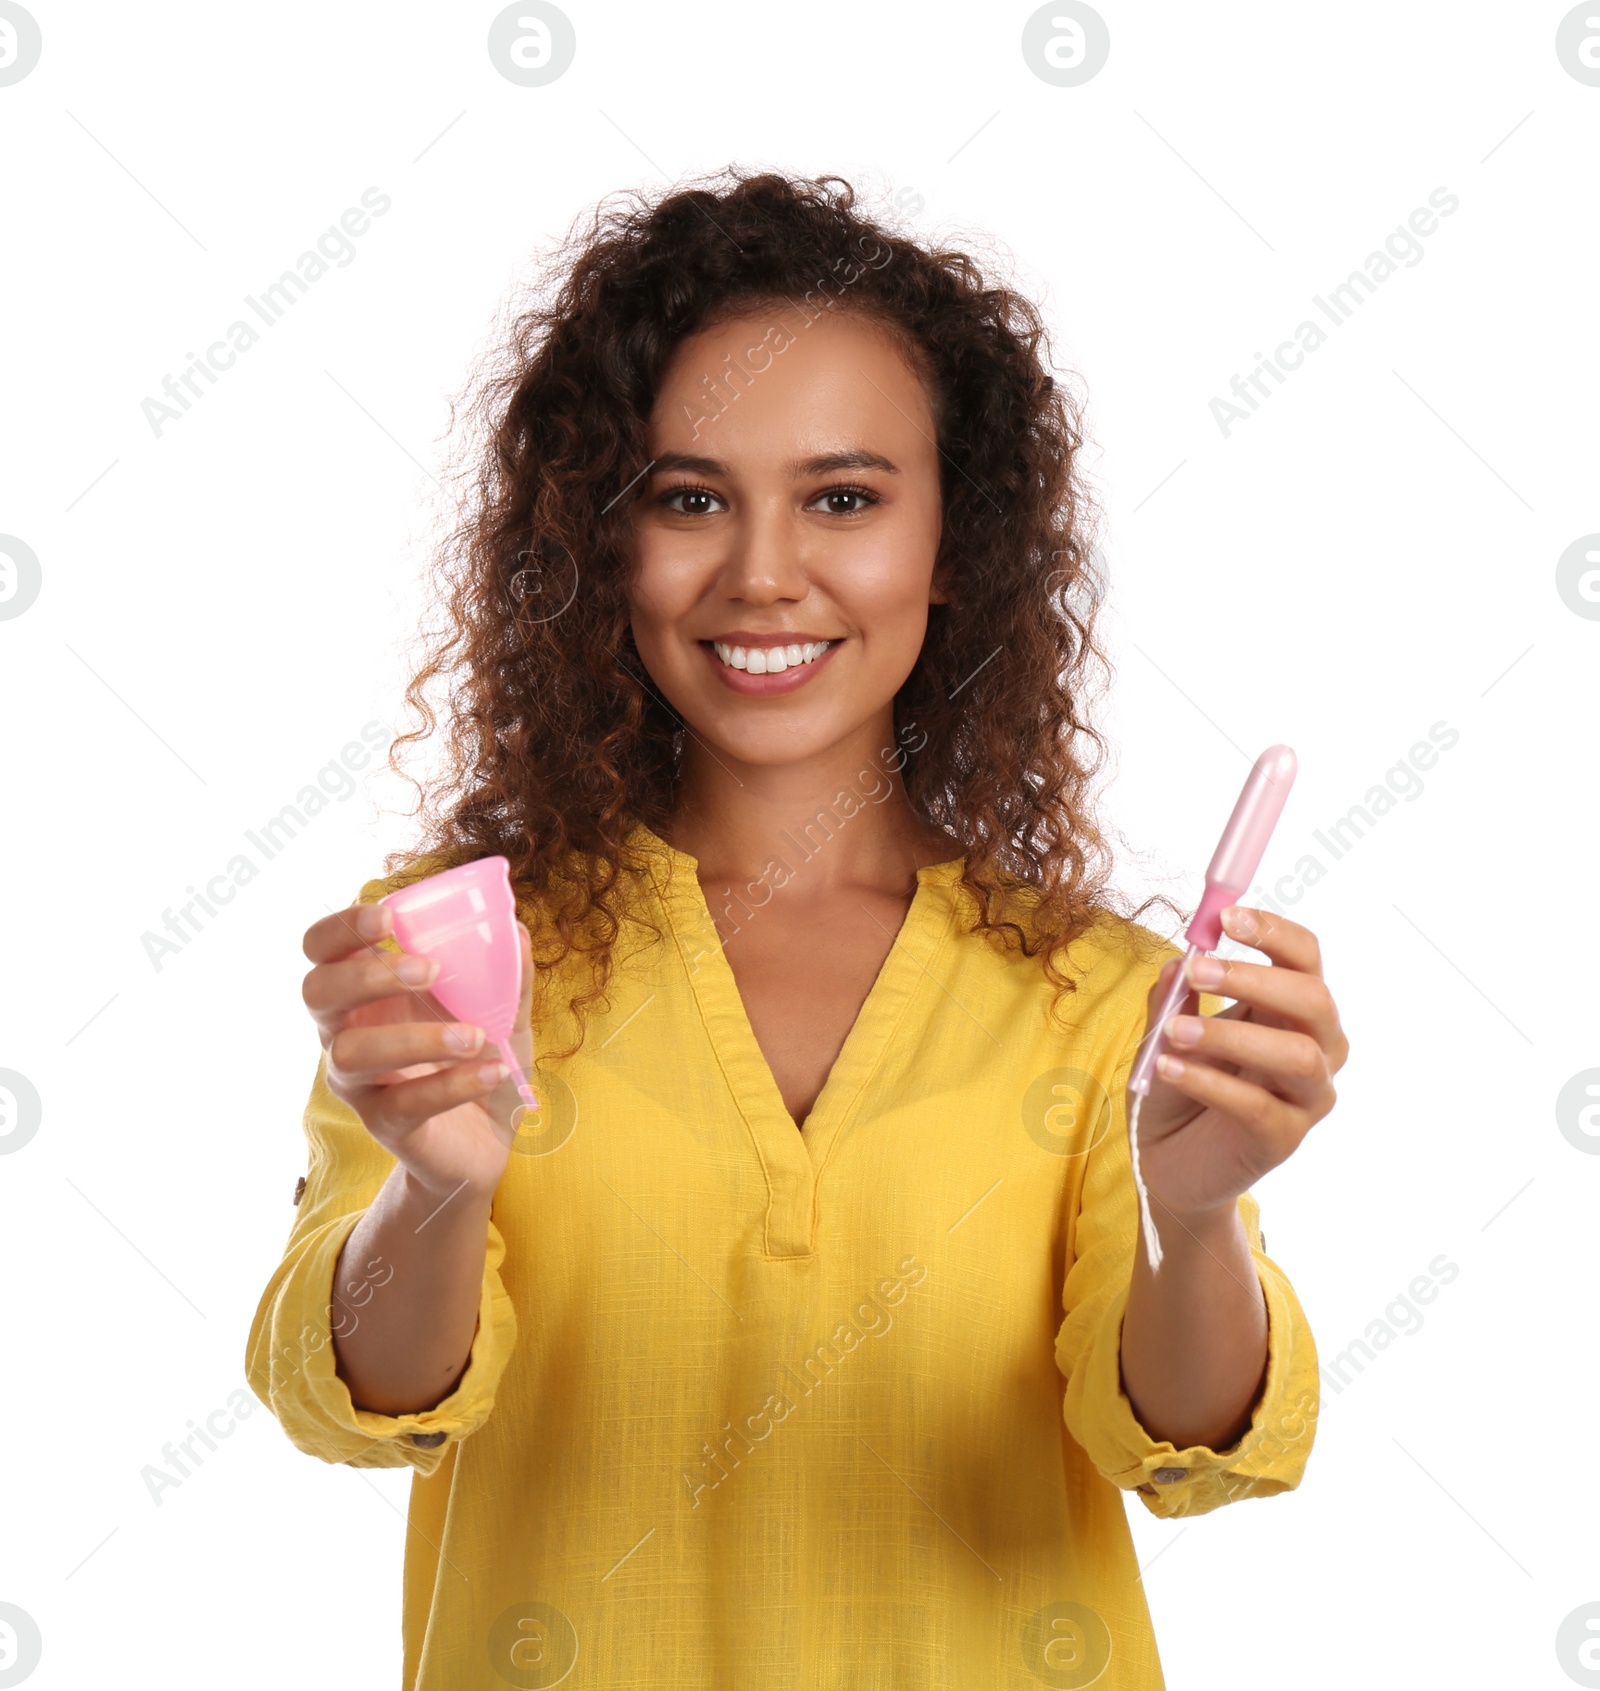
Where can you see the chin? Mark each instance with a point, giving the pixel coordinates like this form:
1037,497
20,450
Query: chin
773,743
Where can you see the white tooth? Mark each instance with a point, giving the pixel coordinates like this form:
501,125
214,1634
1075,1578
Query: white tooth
757,664
815,650
721,650
777,660
738,657
793,654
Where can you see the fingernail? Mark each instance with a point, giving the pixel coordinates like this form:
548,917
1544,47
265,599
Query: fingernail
1185,1030
1206,971
1239,922
1171,1067
460,1037
492,1073
415,970
372,922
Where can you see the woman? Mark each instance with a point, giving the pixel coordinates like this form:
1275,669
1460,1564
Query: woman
804,1337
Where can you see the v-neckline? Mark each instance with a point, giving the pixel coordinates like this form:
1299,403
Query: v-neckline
793,1157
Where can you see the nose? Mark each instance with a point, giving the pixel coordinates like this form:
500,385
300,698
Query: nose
765,560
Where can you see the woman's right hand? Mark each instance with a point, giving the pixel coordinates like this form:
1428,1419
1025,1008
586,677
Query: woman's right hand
414,1076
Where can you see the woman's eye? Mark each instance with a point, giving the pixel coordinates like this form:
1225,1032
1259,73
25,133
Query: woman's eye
858,499
699,501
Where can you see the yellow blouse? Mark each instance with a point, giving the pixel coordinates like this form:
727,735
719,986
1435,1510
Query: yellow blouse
758,1409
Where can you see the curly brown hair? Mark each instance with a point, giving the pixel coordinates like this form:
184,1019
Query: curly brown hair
556,740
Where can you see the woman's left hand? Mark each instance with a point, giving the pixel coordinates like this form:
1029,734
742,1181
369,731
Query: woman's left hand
1252,1081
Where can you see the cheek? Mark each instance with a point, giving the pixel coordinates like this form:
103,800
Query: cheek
658,593
886,584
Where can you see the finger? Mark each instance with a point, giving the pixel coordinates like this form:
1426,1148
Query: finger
1290,1063
1285,942
394,1112
364,1055
364,979
1280,993
1273,1127
346,931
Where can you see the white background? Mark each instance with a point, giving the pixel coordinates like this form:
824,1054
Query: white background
1373,552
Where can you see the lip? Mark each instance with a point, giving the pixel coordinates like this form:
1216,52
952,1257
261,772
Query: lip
782,637
766,686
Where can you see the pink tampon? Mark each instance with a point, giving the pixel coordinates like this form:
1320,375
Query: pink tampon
1233,867
465,919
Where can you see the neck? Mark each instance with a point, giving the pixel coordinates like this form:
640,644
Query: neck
839,817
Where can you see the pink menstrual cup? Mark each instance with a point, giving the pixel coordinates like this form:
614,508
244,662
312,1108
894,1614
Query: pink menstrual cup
464,919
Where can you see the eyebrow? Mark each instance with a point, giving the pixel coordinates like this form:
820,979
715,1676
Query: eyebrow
823,465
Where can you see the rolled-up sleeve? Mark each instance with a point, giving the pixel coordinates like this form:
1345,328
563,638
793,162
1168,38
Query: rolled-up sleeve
290,1361
1271,1455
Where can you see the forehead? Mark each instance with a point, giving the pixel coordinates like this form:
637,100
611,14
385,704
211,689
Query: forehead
776,383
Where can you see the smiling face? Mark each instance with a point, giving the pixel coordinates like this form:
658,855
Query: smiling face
785,543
